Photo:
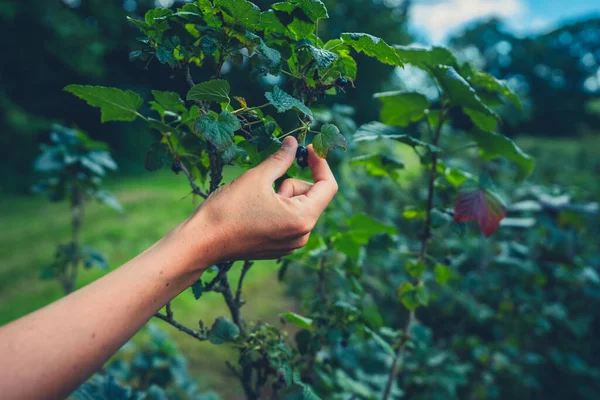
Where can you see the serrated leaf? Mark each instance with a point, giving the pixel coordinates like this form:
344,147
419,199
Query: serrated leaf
223,330
495,144
426,56
323,58
242,12
402,108
271,56
416,268
329,139
458,90
198,289
373,47
216,90
156,156
376,131
218,130
378,164
481,205
288,374
167,101
492,84
115,104
314,9
299,320
284,102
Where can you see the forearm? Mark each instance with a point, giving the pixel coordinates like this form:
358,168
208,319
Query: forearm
47,354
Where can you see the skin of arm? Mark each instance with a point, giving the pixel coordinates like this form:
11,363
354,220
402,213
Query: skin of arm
50,352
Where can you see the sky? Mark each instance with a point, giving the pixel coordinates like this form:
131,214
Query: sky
435,20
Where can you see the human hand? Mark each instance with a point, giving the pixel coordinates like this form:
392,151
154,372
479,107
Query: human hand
247,220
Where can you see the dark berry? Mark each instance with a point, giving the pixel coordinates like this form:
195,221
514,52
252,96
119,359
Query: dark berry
176,167
302,156
342,81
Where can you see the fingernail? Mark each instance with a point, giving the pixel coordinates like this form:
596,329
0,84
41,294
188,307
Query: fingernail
287,142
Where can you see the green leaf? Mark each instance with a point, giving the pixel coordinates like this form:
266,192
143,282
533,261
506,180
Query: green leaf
242,12
324,58
491,84
401,108
216,90
114,104
298,320
416,268
329,139
218,129
223,330
272,56
314,9
425,56
495,144
362,228
483,121
422,294
165,56
284,102
376,130
167,102
442,273
458,90
378,164
198,289
309,394
156,156
101,387
407,294
373,47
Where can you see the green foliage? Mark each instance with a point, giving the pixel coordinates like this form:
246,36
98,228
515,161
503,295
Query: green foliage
402,108
115,104
215,90
74,166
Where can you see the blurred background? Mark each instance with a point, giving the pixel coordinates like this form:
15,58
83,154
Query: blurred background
548,52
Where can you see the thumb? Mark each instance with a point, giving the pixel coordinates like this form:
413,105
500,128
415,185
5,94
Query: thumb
279,162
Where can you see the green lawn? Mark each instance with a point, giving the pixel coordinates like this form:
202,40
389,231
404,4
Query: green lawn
154,203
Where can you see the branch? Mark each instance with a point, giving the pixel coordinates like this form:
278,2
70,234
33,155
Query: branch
223,269
238,292
431,190
197,335
397,363
195,189
423,253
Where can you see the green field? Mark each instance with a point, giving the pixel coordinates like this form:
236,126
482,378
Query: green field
153,203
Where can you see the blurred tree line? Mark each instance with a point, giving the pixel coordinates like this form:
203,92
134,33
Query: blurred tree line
52,43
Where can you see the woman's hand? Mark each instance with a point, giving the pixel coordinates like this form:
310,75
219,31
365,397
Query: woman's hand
246,219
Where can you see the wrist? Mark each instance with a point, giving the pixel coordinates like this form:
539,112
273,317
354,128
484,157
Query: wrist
195,243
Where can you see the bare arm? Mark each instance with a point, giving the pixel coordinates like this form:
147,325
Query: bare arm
50,352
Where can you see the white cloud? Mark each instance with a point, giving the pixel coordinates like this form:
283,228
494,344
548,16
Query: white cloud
439,18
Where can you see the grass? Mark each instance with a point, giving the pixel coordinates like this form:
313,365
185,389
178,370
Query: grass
154,203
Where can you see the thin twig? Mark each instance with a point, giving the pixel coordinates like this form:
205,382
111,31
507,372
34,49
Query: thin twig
197,335
223,269
422,254
195,189
399,358
169,311
238,292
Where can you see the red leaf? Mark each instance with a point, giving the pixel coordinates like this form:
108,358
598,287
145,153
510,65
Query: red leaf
481,205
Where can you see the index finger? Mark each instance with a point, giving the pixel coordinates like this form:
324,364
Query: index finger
325,187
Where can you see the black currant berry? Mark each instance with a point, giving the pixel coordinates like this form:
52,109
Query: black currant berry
302,156
176,167
342,81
